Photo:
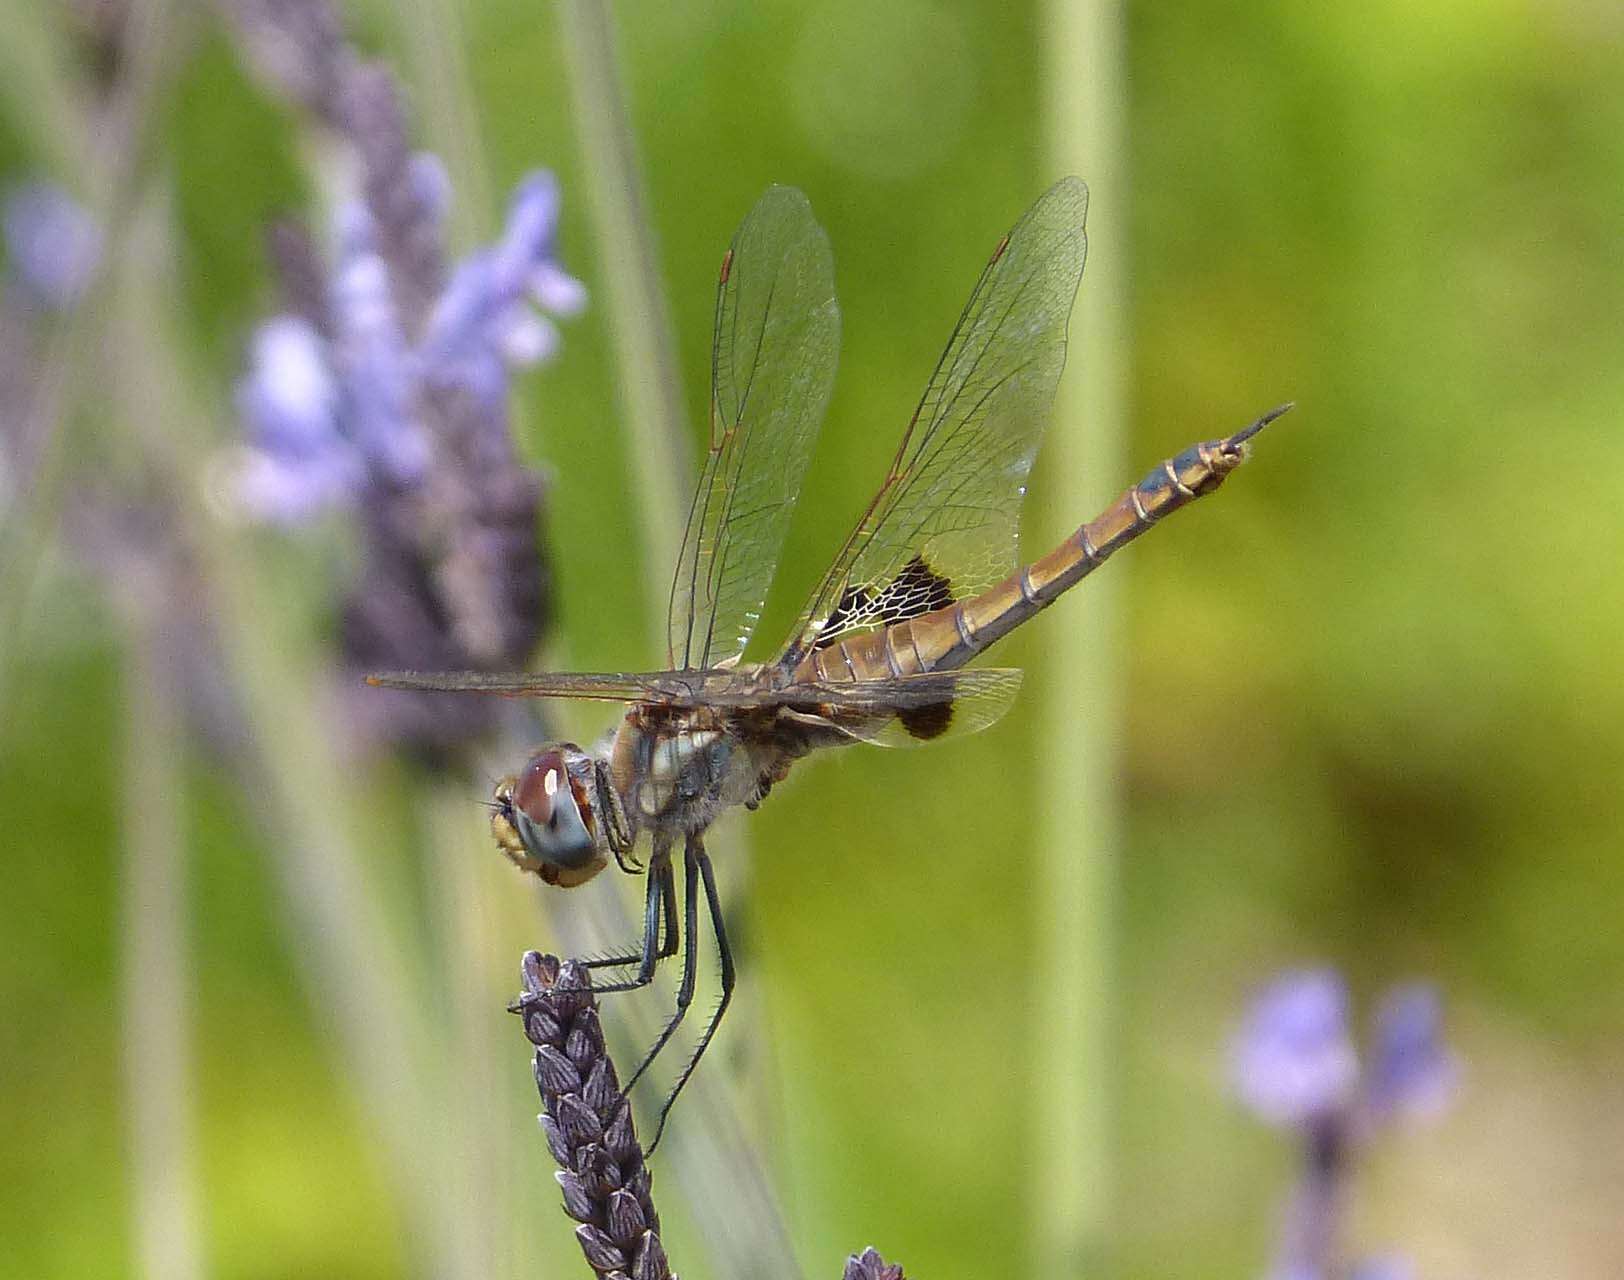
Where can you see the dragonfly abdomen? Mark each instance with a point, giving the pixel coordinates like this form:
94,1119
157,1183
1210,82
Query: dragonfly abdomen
951,637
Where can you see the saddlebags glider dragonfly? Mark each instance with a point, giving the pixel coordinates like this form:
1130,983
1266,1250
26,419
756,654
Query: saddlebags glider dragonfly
927,580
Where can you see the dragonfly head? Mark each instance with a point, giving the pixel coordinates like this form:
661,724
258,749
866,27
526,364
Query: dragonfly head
545,819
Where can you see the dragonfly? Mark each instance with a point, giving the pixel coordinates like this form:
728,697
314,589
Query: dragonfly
928,579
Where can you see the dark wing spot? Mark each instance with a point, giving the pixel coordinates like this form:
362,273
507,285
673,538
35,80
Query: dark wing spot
854,602
917,589
929,721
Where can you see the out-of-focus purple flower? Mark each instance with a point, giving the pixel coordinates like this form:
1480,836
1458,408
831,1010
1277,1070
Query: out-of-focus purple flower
413,432
1294,1063
493,313
1411,1071
375,368
308,452
52,242
1292,1059
431,184
300,461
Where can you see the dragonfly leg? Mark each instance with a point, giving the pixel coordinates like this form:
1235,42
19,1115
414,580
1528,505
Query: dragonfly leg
626,862
661,881
617,827
690,957
659,903
713,903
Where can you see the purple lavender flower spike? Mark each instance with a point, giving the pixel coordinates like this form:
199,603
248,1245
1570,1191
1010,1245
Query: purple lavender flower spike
1292,1059
412,431
304,458
1411,1071
53,244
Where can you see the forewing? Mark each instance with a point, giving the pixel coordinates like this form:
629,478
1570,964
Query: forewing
662,686
908,711
945,523
773,363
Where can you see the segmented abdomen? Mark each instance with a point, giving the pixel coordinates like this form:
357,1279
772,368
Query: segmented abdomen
949,637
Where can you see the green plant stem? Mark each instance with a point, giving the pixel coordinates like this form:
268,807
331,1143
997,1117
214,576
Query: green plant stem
155,975
94,145
482,1160
436,42
1080,831
639,320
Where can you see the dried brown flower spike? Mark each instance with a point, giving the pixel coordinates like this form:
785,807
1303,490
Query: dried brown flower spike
868,1265
588,1124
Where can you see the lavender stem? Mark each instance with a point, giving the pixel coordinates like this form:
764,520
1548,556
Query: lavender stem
639,320
157,985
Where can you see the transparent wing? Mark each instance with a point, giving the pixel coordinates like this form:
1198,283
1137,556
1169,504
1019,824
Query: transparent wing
911,710
945,523
676,687
773,364
901,711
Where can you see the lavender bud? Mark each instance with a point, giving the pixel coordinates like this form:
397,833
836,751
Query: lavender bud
652,1264
1292,1059
297,463
431,184
377,368
600,1251
555,1072
579,1121
557,291
483,321
558,1144
868,1265
605,1180
577,1200
619,1136
602,1089
584,1043
541,1027
1411,1071
625,1218
53,243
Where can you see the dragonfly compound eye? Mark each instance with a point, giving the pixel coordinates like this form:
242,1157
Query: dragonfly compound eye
544,819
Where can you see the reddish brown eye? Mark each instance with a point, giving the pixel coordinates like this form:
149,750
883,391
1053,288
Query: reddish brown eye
543,786
544,820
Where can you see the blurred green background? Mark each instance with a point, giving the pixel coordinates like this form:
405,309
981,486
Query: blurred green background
1371,707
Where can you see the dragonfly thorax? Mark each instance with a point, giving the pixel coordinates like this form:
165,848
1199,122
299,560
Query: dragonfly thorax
675,772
